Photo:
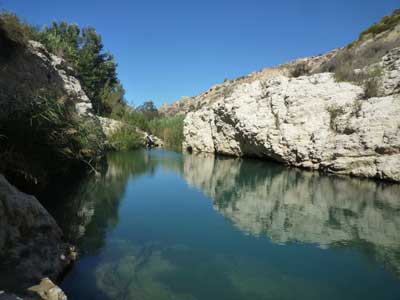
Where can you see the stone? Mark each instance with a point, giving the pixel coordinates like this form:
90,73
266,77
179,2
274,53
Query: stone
110,126
310,121
31,242
47,290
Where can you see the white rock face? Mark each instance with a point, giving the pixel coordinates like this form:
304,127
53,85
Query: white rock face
62,74
311,122
110,126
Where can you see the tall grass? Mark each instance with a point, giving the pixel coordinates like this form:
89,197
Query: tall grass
125,138
44,138
170,130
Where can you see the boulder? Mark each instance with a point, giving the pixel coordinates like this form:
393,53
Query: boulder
47,290
31,243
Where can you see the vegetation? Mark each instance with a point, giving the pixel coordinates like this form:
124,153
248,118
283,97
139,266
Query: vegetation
83,49
334,113
126,138
147,118
170,130
44,137
299,69
387,23
17,31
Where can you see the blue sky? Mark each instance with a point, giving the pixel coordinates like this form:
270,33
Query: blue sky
168,49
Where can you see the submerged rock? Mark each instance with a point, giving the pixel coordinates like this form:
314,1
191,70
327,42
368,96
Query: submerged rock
31,243
47,290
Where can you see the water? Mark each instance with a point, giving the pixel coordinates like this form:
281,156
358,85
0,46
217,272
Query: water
160,225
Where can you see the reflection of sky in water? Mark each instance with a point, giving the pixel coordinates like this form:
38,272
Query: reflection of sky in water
160,225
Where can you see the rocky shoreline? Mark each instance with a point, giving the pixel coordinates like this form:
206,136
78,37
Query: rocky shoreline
301,115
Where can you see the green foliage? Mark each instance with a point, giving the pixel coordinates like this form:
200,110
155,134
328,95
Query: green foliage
16,30
137,119
170,130
126,138
386,23
83,50
299,69
45,137
96,69
149,109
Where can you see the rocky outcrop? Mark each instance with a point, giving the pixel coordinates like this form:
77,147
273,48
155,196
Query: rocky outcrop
31,243
310,121
47,126
32,70
152,141
110,126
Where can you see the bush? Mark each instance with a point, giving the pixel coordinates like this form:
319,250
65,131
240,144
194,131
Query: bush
44,139
16,30
334,113
386,23
126,138
170,130
371,88
300,69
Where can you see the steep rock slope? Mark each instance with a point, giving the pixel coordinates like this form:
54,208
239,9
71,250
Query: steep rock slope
302,115
47,128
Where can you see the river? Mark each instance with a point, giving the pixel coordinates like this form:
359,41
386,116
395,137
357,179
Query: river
162,225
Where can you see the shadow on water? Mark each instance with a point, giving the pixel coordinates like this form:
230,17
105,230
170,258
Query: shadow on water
86,209
279,233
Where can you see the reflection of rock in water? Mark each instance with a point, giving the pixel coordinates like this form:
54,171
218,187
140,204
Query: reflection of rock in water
91,206
130,272
293,205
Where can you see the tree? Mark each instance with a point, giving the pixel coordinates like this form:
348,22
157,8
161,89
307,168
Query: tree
149,109
96,69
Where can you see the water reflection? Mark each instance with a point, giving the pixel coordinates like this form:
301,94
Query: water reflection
294,205
143,234
88,208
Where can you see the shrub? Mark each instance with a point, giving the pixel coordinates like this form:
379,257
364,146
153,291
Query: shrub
126,138
386,23
334,113
16,30
347,60
300,69
170,130
45,139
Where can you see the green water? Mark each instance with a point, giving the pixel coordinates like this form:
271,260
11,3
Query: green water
160,225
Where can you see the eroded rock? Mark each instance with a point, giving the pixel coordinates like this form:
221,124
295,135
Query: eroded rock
311,122
31,243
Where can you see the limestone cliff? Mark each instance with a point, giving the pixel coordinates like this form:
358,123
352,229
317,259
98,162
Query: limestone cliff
309,113
47,127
